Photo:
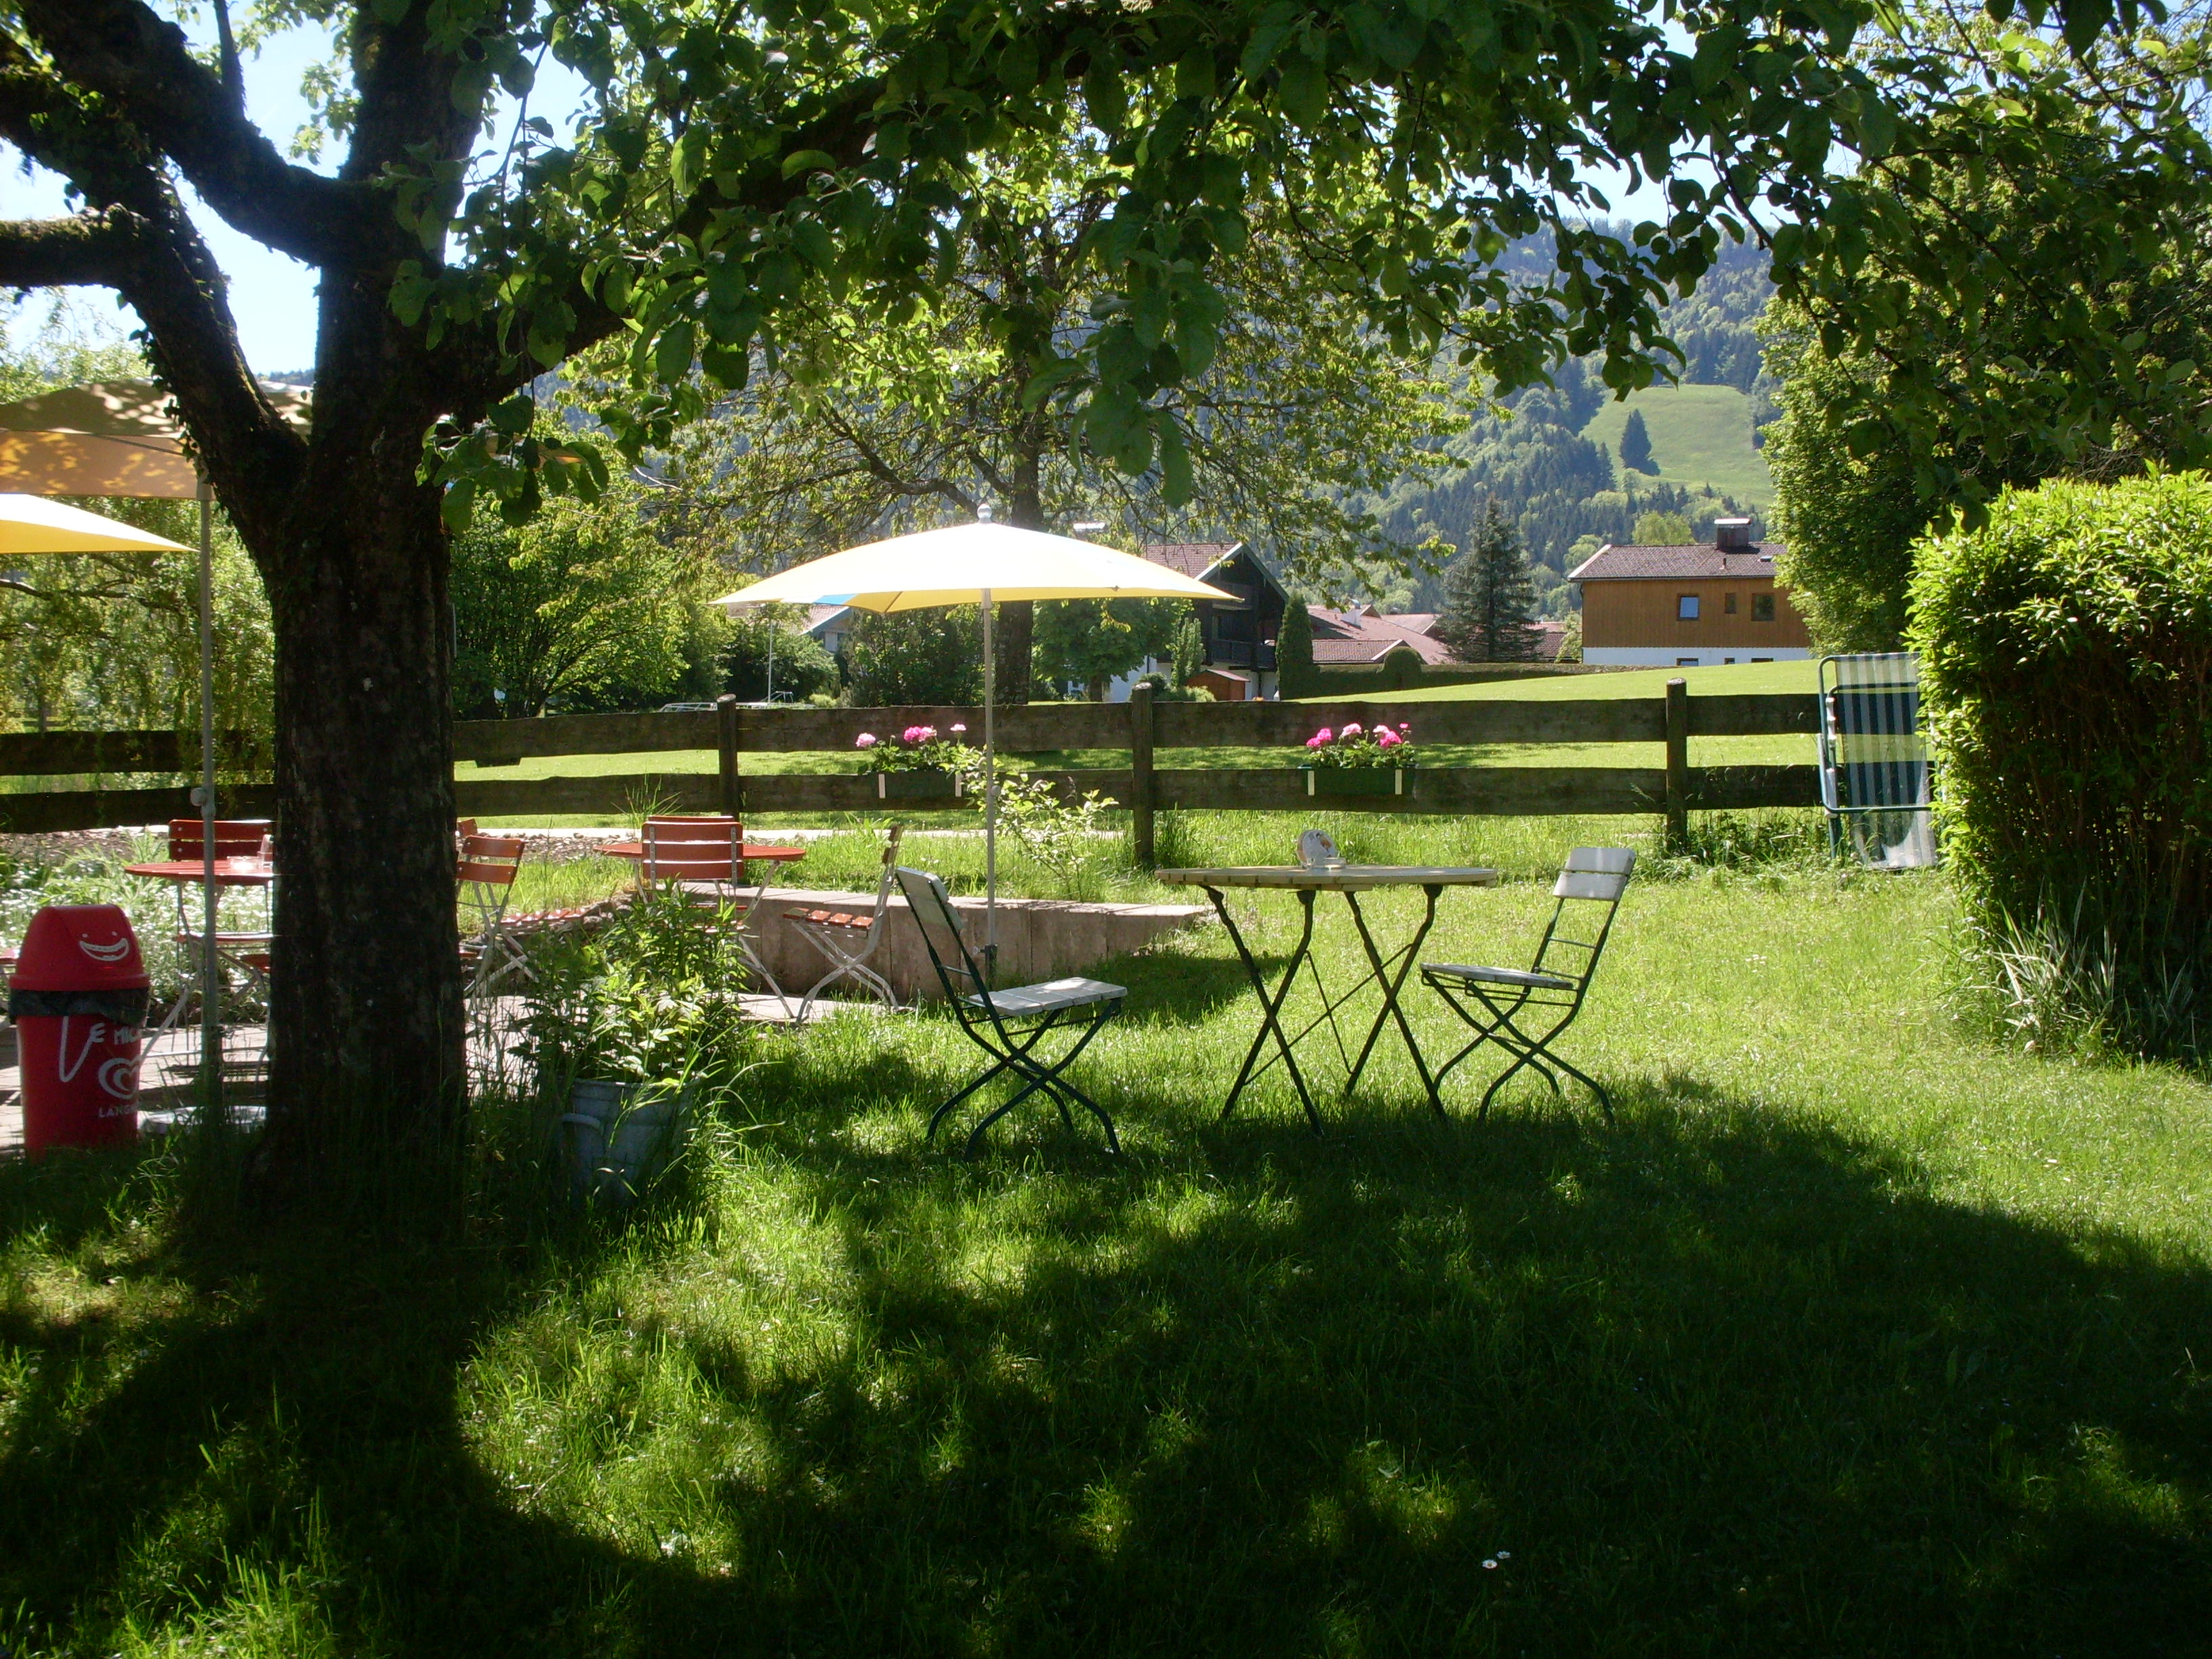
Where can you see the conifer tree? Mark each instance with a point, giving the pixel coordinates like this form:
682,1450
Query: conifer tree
1295,676
1636,445
1489,602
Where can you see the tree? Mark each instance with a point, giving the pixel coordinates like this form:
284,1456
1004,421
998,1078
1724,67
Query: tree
580,602
851,431
735,165
1636,446
1489,604
1664,530
774,633
1295,675
1089,642
2025,293
932,656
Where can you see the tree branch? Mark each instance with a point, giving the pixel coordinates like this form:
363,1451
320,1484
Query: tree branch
89,250
123,50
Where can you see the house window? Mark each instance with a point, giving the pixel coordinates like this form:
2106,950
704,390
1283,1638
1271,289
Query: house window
1686,607
1727,605
1685,662
1762,607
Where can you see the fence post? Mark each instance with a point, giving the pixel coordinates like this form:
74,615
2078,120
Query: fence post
1141,764
733,793
1678,765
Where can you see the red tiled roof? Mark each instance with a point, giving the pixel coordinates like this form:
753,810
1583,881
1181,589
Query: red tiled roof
1363,635
1192,559
1701,561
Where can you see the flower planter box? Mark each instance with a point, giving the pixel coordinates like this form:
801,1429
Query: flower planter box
923,783
1358,780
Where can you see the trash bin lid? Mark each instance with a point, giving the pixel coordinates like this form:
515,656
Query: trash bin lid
79,947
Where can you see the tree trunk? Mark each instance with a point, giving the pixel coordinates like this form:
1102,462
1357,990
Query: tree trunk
1016,619
365,1072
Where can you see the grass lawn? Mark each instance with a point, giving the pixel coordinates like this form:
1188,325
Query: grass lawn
1700,435
1855,1336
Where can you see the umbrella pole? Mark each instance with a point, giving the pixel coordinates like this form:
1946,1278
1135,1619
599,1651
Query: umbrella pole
990,799
210,960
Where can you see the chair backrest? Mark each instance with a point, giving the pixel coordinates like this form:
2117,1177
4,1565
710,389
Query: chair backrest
488,864
1874,773
1594,875
940,933
692,848
234,838
890,871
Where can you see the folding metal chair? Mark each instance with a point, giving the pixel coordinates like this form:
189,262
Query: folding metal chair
490,952
702,857
1524,1010
1009,1025
245,951
845,941
1875,774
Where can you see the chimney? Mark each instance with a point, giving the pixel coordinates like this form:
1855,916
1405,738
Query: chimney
1732,535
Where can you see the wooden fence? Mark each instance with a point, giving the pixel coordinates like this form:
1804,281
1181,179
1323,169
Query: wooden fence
1139,728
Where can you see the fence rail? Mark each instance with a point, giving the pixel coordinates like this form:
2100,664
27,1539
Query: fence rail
1140,727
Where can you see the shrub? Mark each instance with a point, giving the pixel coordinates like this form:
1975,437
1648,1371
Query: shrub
2066,651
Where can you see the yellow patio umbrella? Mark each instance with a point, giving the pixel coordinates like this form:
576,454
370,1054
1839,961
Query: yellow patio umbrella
33,525
122,438
977,564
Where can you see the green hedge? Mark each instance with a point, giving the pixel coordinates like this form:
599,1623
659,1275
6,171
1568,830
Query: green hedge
2067,652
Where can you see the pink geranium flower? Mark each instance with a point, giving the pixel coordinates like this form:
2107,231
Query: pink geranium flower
866,740
958,729
1385,739
1320,738
1352,728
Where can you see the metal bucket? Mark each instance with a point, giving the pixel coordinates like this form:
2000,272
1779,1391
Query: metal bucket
616,1142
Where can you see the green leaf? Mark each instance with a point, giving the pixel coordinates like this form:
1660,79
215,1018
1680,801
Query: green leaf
1105,97
805,160
1176,484
1303,90
458,504
1269,33
672,353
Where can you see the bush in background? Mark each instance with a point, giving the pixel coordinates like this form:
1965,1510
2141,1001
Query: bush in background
2066,650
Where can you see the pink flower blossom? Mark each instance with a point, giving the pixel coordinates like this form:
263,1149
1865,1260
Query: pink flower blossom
919,734
958,729
1320,738
866,740
1385,739
1352,728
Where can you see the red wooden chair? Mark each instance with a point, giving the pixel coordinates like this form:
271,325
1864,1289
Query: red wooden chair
245,952
490,952
703,858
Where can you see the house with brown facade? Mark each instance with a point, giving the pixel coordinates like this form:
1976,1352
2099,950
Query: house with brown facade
1240,631
1689,607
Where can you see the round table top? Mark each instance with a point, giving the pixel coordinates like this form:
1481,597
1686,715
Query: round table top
228,873
750,851
1344,878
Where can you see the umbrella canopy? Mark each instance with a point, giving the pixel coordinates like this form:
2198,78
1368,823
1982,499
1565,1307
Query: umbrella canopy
962,562
109,438
32,523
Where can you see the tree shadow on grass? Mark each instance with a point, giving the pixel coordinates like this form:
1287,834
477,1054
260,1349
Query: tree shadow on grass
1723,1380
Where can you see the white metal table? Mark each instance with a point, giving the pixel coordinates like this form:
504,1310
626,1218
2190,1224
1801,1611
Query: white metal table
1387,973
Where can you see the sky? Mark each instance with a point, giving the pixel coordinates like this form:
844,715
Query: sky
273,297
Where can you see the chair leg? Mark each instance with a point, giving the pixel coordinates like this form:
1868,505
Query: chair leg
1048,1080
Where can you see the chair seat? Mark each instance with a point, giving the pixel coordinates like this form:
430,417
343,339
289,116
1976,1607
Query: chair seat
832,919
229,939
1050,996
1495,976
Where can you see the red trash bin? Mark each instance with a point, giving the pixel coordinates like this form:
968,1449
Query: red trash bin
78,998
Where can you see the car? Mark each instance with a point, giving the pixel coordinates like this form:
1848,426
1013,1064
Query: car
687,708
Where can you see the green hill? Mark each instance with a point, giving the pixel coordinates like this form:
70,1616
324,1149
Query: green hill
1700,434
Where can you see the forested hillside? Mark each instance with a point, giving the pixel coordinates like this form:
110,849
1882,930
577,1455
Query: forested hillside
1562,487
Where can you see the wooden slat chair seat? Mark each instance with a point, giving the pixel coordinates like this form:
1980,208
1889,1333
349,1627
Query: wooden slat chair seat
1010,1025
848,939
1523,1010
